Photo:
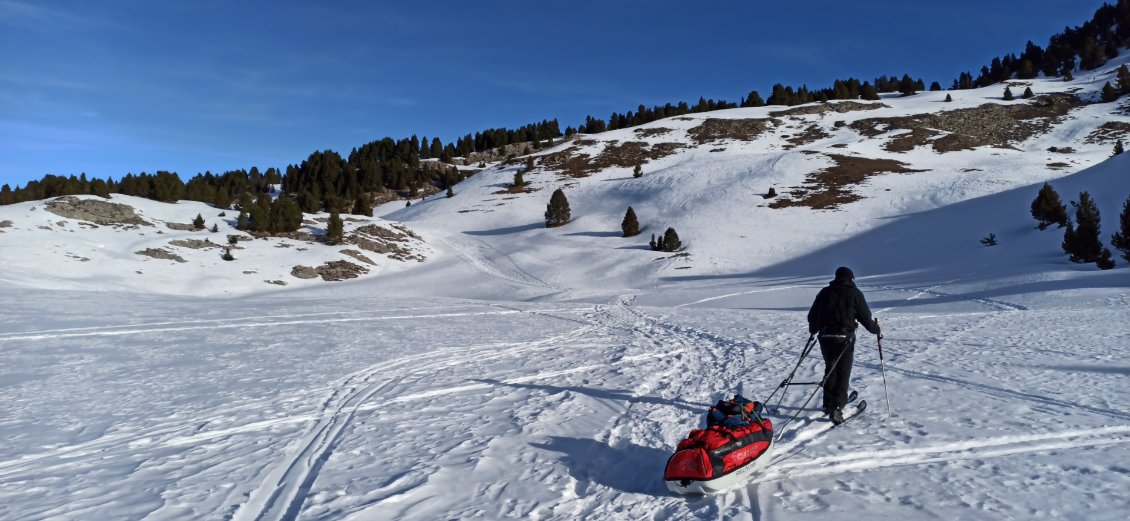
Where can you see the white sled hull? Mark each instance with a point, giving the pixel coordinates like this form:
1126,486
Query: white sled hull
710,486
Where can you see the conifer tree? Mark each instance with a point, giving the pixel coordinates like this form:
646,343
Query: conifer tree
198,222
630,225
335,229
989,240
1105,262
1008,94
1121,239
1081,240
671,240
519,179
654,245
450,192
1108,93
949,98
215,227
1047,208
557,211
1117,148
1123,79
227,255
1028,92
637,171
362,206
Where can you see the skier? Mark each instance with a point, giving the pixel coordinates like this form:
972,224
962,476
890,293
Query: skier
833,318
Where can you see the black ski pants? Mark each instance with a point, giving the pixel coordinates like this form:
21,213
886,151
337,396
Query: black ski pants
838,353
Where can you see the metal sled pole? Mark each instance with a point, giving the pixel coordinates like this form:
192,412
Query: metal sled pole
788,380
819,386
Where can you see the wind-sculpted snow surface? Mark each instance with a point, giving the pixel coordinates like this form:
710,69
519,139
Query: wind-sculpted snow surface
140,407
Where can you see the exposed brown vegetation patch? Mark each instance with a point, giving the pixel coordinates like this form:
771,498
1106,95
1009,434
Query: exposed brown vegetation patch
158,253
180,227
651,132
824,108
330,271
5,224
830,187
385,241
964,129
195,244
615,154
1061,150
809,135
714,129
1108,132
359,256
98,212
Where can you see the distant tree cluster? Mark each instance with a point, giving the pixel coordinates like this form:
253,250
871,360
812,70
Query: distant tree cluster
1092,44
667,242
264,215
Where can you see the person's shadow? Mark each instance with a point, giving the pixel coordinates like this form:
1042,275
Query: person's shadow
627,467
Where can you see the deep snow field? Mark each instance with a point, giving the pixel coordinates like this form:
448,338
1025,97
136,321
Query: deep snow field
529,373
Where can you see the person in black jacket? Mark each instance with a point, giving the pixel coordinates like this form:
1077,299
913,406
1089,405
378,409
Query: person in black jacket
833,318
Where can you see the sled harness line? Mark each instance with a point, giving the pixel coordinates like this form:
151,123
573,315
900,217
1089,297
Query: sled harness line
812,341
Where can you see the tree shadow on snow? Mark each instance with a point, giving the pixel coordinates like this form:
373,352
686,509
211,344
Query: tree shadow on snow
626,467
604,394
509,230
596,234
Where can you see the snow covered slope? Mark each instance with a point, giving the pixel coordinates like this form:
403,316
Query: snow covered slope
525,372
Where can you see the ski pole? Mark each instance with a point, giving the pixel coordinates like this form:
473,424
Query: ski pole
883,368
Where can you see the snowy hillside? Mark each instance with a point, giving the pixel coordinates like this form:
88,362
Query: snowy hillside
484,366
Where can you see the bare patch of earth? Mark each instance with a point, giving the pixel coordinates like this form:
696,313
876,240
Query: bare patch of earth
5,224
391,242
158,253
990,124
651,132
625,155
830,187
714,129
195,244
1108,132
330,271
824,108
810,135
359,256
98,212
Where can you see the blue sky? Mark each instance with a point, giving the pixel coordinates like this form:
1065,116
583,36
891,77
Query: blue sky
120,86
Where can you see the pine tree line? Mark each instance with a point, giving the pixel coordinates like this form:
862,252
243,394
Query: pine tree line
1093,43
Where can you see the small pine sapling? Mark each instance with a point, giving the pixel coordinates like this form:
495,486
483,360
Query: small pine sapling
1008,94
630,225
215,227
227,255
1028,93
637,171
770,194
989,240
1118,150
1105,262
198,222
949,98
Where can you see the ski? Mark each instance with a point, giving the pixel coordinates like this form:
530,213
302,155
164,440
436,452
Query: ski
859,408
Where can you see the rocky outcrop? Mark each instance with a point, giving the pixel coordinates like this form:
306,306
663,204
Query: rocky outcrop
95,211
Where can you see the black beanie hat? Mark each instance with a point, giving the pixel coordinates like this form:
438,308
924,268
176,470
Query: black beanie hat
844,273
